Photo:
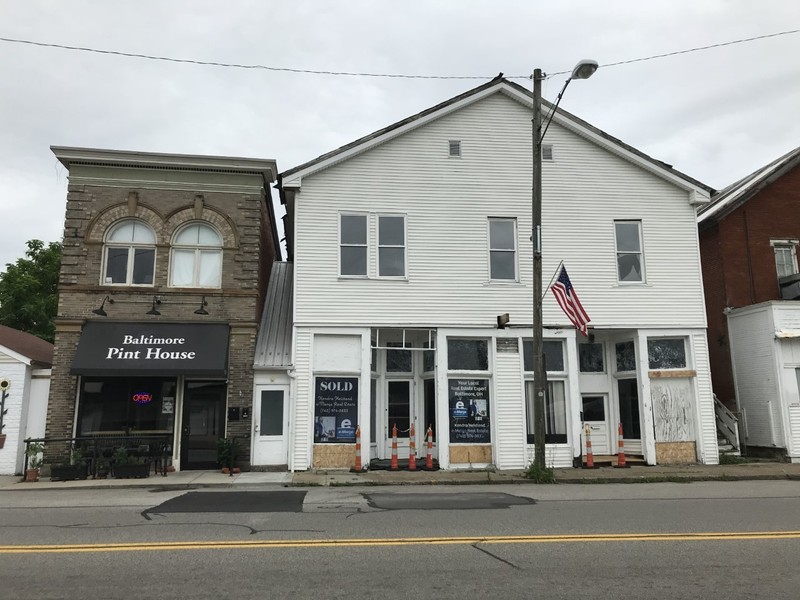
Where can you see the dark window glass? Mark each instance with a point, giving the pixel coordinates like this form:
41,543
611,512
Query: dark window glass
430,408
392,262
626,356
428,360
271,412
503,265
116,265
666,354
354,260
143,261
629,409
392,231
467,355
553,355
373,429
590,357
399,407
354,229
594,408
126,405
398,361
374,360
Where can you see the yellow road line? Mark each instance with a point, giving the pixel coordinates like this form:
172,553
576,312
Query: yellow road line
419,541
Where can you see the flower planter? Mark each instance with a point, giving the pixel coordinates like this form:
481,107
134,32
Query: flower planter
131,471
2,440
227,471
32,475
68,472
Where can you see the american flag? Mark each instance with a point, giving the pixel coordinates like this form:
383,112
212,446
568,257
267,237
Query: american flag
568,301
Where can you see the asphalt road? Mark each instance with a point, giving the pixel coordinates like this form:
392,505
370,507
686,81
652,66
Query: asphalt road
705,540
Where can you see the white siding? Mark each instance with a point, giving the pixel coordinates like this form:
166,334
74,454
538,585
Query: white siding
300,452
794,428
15,420
557,456
707,448
448,201
509,414
753,352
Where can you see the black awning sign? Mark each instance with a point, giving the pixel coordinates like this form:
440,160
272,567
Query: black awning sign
117,348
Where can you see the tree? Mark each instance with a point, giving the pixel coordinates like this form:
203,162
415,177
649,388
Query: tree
29,290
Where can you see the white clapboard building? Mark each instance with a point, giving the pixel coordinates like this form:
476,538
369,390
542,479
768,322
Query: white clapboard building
409,243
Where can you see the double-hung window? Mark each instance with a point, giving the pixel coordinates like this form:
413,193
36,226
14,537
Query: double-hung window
196,257
391,246
130,254
387,249
785,258
503,249
353,245
630,258
555,402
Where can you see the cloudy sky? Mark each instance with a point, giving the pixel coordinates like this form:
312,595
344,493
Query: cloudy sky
715,114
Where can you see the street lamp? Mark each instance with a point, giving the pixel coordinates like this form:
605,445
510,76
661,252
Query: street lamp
583,70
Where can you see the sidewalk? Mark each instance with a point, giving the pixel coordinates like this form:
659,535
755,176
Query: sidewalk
635,474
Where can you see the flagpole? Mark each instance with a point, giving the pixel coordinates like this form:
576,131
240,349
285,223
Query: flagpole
555,274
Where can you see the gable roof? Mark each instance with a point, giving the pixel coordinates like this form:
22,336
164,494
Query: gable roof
736,194
293,176
27,345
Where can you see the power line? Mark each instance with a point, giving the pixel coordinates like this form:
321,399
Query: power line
384,75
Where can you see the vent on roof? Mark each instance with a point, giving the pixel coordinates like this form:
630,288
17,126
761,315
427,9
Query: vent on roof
547,151
455,147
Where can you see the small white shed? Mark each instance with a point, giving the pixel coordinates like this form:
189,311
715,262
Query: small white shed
765,351
25,367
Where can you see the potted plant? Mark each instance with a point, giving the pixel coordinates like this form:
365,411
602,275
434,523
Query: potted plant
101,467
127,466
75,469
34,452
227,453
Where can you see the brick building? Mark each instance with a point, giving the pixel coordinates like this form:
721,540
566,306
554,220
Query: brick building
163,277
749,235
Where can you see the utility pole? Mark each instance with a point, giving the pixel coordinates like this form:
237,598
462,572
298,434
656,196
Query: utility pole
539,373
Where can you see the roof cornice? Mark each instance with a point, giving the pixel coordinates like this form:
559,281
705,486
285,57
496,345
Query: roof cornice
69,156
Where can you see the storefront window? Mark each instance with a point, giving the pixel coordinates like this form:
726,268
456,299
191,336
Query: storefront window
126,405
664,353
467,355
553,355
555,413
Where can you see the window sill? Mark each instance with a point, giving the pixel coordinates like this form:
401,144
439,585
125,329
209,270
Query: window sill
504,282
367,278
632,284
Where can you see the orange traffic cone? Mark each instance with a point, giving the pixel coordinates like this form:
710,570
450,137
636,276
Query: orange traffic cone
412,450
429,454
589,456
393,466
358,468
621,464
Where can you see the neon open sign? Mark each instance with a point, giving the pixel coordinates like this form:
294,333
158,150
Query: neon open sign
143,398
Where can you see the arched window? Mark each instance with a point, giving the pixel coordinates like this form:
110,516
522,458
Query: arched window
196,257
130,254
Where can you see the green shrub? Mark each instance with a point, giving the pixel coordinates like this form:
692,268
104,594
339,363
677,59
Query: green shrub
538,475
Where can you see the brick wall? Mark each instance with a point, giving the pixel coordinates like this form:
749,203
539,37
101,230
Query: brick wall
739,265
248,252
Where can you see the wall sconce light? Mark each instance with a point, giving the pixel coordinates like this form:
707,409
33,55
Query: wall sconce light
502,320
202,310
153,310
100,311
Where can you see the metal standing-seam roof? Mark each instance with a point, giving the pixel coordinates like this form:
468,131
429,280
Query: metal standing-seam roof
274,344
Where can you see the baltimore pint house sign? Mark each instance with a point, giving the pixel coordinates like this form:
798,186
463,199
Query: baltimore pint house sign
118,348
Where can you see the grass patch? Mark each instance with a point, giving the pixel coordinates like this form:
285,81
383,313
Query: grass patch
538,475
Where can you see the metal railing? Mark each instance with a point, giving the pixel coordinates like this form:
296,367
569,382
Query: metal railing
100,450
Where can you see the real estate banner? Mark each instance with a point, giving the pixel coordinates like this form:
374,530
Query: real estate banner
469,411
335,410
